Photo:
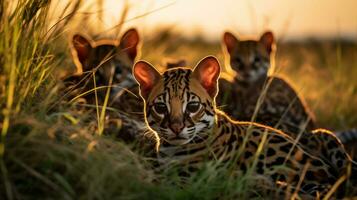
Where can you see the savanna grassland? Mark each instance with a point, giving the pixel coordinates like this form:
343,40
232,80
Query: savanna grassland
50,149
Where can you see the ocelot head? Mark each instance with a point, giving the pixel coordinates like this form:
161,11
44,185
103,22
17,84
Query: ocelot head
179,104
110,60
250,59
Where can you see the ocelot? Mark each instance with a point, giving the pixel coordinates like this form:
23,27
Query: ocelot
180,110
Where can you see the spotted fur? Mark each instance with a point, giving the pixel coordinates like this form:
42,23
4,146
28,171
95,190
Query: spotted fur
180,108
349,140
103,65
279,105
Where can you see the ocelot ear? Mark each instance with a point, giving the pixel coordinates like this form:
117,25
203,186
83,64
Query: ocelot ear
267,39
129,43
230,41
147,76
82,48
207,73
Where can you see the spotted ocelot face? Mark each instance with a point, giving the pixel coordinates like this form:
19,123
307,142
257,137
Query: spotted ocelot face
177,112
279,105
250,59
180,109
108,61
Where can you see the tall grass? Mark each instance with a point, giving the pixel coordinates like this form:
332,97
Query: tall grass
25,60
25,64
323,72
49,153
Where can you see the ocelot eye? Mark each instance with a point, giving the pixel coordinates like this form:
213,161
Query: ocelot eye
193,107
237,64
118,69
160,108
238,61
257,59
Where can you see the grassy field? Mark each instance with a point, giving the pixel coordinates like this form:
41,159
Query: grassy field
51,150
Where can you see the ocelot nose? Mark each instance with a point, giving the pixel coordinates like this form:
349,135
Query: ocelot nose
177,127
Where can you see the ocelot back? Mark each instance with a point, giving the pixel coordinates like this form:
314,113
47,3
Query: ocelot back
103,65
278,104
180,109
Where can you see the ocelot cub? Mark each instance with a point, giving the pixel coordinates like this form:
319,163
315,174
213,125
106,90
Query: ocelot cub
107,64
274,100
180,110
251,91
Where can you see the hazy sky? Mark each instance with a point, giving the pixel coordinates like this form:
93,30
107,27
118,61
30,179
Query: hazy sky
288,18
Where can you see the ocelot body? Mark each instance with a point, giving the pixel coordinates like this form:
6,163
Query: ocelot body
252,95
180,109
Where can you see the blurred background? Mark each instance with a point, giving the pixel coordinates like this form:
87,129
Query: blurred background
288,19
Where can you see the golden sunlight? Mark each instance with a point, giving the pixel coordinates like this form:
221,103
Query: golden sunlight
178,99
290,19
